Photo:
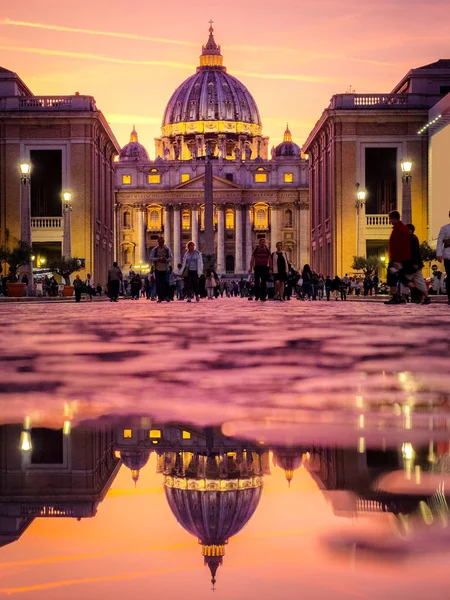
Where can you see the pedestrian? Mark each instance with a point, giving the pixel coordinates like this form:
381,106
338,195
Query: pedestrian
90,287
280,268
328,287
417,279
161,257
399,256
171,283
210,284
336,287
443,253
78,288
320,287
192,268
307,276
179,281
114,278
261,267
376,283
135,285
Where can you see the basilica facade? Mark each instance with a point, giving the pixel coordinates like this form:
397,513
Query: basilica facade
256,193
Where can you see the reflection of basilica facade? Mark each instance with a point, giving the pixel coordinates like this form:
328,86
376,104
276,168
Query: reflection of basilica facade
254,195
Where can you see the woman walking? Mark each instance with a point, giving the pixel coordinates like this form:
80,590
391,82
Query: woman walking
78,288
192,268
210,284
280,269
90,287
307,277
135,286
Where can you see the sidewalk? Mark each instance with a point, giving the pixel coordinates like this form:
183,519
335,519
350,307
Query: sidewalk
28,299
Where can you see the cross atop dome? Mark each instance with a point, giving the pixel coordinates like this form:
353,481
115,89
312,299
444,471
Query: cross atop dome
211,56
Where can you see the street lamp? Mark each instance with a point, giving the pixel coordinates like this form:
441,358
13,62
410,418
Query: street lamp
67,210
406,165
360,206
25,215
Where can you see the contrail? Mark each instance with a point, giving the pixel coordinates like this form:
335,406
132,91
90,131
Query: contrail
158,63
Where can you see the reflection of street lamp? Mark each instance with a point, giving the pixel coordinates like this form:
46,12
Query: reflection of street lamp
67,210
25,436
25,214
406,165
360,206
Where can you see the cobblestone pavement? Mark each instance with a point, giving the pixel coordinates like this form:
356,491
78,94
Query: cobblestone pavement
268,370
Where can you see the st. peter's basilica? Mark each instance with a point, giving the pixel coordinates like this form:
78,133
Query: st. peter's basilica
254,195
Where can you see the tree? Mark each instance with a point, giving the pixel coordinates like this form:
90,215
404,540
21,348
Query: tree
65,267
427,253
16,258
371,264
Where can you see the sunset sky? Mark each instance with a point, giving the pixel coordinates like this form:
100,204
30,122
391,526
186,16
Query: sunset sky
293,56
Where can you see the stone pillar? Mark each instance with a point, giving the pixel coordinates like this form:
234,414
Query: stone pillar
304,232
248,237
361,228
25,225
406,213
221,266
117,232
176,235
167,225
238,259
194,224
141,226
274,223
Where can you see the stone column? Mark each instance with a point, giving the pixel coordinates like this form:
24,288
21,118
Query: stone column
141,226
248,237
304,232
194,224
274,223
25,225
361,228
167,227
406,213
176,235
117,232
221,266
238,259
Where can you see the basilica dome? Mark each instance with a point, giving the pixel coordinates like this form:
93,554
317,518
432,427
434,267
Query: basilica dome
133,151
135,460
287,148
210,95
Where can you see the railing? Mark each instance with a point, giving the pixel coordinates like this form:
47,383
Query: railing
377,220
46,222
48,103
382,101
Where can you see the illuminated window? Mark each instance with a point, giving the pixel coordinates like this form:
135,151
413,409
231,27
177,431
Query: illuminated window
127,433
288,218
229,219
126,179
261,221
185,177
154,178
154,434
117,454
185,219
260,176
288,177
186,435
154,219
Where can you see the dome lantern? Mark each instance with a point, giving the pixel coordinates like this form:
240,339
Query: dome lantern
211,56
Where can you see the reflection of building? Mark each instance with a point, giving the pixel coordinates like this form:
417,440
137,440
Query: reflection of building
213,484
254,196
361,139
289,460
71,147
62,476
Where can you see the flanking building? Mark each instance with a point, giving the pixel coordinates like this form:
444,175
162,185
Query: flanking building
71,148
256,193
358,144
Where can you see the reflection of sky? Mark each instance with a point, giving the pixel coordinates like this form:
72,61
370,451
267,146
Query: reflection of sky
134,546
293,59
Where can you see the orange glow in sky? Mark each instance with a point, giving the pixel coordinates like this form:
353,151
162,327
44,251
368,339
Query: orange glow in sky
292,58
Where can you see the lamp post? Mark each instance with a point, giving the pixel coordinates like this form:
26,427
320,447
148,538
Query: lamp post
67,211
360,206
406,165
25,215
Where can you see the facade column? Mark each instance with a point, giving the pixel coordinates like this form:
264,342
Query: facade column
238,259
194,224
248,237
25,224
361,228
304,231
274,218
117,232
166,224
141,226
176,235
221,266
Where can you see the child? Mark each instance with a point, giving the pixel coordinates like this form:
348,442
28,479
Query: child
210,284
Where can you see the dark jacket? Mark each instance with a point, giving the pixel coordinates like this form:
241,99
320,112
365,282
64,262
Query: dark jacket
416,258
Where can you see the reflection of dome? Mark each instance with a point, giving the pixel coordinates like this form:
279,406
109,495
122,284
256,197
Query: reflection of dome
134,151
287,148
211,95
135,460
289,461
213,510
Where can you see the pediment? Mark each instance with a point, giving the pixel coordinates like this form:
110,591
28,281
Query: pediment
198,183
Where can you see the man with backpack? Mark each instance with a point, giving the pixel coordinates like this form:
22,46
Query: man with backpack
261,267
161,257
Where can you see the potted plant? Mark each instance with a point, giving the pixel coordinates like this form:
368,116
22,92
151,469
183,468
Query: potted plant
16,258
64,267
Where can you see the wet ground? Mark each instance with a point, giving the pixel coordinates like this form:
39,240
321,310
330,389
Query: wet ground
351,399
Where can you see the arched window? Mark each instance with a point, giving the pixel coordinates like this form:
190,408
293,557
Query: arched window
229,263
288,218
127,219
260,218
229,219
186,219
155,219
